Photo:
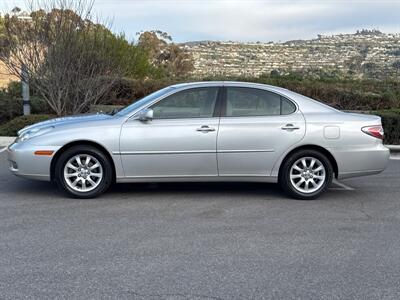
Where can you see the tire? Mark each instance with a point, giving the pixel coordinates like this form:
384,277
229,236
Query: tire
83,172
294,174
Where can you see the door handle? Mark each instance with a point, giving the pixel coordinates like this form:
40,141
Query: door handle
289,127
205,128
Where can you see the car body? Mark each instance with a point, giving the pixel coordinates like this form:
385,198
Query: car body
239,132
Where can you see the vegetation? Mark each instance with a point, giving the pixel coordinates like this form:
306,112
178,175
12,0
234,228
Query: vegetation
72,61
11,103
12,127
170,59
391,125
345,94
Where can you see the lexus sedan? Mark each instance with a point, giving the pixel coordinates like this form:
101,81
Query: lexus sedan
205,131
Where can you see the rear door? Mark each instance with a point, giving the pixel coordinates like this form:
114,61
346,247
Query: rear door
256,127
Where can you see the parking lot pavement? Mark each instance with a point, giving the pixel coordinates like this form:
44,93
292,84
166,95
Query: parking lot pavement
201,241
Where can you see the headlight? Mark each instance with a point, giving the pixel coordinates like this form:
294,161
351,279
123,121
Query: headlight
32,133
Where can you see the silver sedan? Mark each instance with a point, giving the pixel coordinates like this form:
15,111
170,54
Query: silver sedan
206,131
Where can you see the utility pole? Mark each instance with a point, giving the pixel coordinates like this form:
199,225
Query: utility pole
25,91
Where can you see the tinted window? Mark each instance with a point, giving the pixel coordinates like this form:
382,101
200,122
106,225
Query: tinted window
193,103
241,102
287,107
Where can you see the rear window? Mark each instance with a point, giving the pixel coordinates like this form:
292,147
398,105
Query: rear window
246,102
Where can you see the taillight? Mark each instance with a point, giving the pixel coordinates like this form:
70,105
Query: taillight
375,131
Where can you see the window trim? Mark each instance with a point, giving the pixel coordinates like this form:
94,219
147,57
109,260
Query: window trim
225,100
217,105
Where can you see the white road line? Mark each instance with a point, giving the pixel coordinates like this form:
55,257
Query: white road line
2,150
342,185
395,158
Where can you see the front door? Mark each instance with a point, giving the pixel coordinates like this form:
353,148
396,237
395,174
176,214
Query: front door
180,140
256,127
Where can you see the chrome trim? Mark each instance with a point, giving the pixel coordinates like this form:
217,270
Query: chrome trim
187,152
200,179
162,152
172,176
245,151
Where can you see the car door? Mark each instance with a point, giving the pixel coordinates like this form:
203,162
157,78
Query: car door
180,140
256,127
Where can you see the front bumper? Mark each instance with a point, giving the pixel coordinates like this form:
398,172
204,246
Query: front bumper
24,163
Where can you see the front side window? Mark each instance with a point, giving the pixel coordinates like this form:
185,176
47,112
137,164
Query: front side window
192,103
246,102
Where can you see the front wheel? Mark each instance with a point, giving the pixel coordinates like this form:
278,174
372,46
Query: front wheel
83,172
306,174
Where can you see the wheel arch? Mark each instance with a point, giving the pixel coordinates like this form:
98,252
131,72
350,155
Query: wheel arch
81,143
323,150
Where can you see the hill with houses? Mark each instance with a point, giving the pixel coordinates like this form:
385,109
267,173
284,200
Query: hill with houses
367,53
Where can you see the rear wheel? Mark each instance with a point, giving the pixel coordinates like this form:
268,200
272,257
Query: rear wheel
306,174
83,172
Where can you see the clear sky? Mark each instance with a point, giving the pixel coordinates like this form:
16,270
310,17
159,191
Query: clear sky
244,20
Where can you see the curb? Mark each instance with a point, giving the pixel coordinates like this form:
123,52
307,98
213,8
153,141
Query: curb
394,148
6,140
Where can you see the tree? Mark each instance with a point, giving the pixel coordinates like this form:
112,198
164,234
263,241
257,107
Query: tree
172,59
72,60
1,29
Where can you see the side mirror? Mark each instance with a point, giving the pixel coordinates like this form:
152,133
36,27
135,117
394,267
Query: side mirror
145,115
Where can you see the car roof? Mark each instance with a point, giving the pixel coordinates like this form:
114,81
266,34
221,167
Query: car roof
229,83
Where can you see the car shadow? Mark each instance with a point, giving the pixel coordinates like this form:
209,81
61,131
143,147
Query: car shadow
200,188
33,189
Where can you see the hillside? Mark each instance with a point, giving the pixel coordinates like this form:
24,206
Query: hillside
370,54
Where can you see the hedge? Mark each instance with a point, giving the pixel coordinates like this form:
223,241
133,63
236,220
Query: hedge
12,127
391,125
11,103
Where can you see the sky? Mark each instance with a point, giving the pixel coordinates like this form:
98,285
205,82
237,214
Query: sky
244,20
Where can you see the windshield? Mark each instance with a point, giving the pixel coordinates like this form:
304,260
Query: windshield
142,102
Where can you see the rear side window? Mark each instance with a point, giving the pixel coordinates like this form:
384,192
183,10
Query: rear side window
247,102
287,106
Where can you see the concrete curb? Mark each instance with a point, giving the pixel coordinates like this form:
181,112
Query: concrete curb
394,148
6,140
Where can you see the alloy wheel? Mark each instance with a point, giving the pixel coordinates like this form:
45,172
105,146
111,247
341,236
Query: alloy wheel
307,175
83,173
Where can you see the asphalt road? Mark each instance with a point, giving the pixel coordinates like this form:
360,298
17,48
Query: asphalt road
201,241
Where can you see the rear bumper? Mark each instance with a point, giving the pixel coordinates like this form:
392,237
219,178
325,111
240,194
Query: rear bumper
361,161
24,163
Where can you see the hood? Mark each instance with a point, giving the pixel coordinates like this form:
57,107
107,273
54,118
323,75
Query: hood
65,120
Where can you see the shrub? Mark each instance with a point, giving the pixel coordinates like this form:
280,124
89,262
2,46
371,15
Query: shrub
126,91
391,125
11,103
12,127
345,93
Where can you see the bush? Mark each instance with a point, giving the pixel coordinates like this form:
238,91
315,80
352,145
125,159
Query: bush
11,103
391,125
12,127
126,91
345,94
104,108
